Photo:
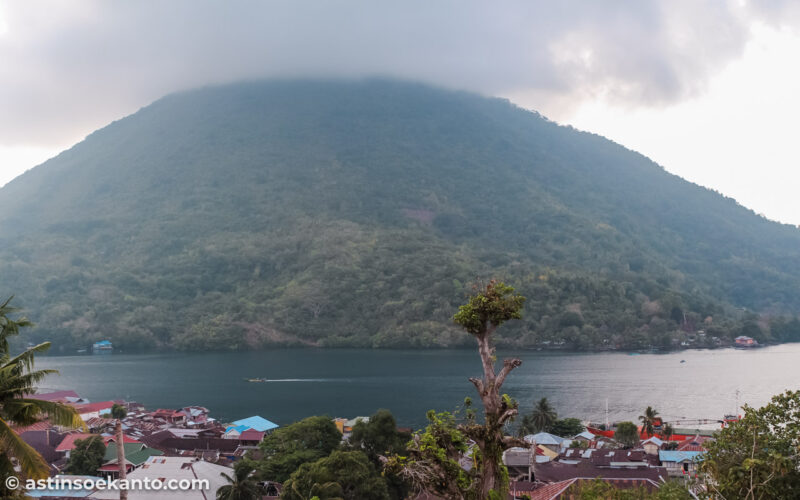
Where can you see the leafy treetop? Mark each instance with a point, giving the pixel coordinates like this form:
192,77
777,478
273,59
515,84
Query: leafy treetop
489,308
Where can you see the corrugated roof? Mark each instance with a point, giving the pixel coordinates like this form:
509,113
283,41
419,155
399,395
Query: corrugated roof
69,441
545,438
678,456
257,423
130,448
55,396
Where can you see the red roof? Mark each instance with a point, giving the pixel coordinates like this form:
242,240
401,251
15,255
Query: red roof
125,439
693,444
115,467
38,426
560,489
69,441
161,412
251,435
54,396
92,407
540,492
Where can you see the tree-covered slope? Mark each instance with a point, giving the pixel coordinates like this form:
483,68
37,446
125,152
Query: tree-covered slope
355,213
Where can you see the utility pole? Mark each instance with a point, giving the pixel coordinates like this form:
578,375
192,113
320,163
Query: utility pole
123,473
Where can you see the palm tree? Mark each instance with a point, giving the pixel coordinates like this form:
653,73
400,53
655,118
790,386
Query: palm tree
667,432
540,419
241,486
649,420
17,380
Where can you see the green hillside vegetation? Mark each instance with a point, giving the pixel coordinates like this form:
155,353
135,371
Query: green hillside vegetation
358,213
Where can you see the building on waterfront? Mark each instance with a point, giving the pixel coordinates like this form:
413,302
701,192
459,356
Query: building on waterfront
744,341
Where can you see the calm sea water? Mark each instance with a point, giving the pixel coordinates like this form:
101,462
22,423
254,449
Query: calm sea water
352,382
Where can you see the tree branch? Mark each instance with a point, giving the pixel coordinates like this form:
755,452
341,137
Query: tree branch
515,442
478,383
486,353
511,412
508,365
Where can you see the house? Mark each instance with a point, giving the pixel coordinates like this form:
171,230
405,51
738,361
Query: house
652,445
98,425
550,441
562,489
195,415
94,410
585,436
64,397
345,425
234,431
257,423
695,443
251,437
45,443
745,341
173,468
519,462
171,416
552,472
103,345
135,455
125,439
680,463
68,443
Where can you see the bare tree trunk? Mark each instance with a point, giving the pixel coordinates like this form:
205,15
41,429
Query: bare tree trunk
489,436
123,473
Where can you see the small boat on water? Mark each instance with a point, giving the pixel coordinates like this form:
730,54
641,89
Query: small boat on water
256,380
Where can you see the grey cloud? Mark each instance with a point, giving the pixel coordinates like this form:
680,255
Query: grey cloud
74,68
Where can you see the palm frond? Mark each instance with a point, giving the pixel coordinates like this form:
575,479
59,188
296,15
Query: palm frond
32,464
26,357
56,413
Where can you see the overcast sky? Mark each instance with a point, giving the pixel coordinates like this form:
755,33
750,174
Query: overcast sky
708,89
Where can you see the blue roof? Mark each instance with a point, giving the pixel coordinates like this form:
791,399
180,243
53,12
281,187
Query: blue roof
103,342
678,456
238,428
258,423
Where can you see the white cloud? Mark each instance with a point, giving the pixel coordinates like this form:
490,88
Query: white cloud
738,138
643,73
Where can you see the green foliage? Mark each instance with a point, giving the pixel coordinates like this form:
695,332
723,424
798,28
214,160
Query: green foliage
347,475
18,379
757,457
544,418
541,418
566,427
598,489
335,213
241,485
648,420
118,411
287,448
491,305
627,434
379,437
432,461
87,456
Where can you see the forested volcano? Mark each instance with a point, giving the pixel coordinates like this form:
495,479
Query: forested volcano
357,213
